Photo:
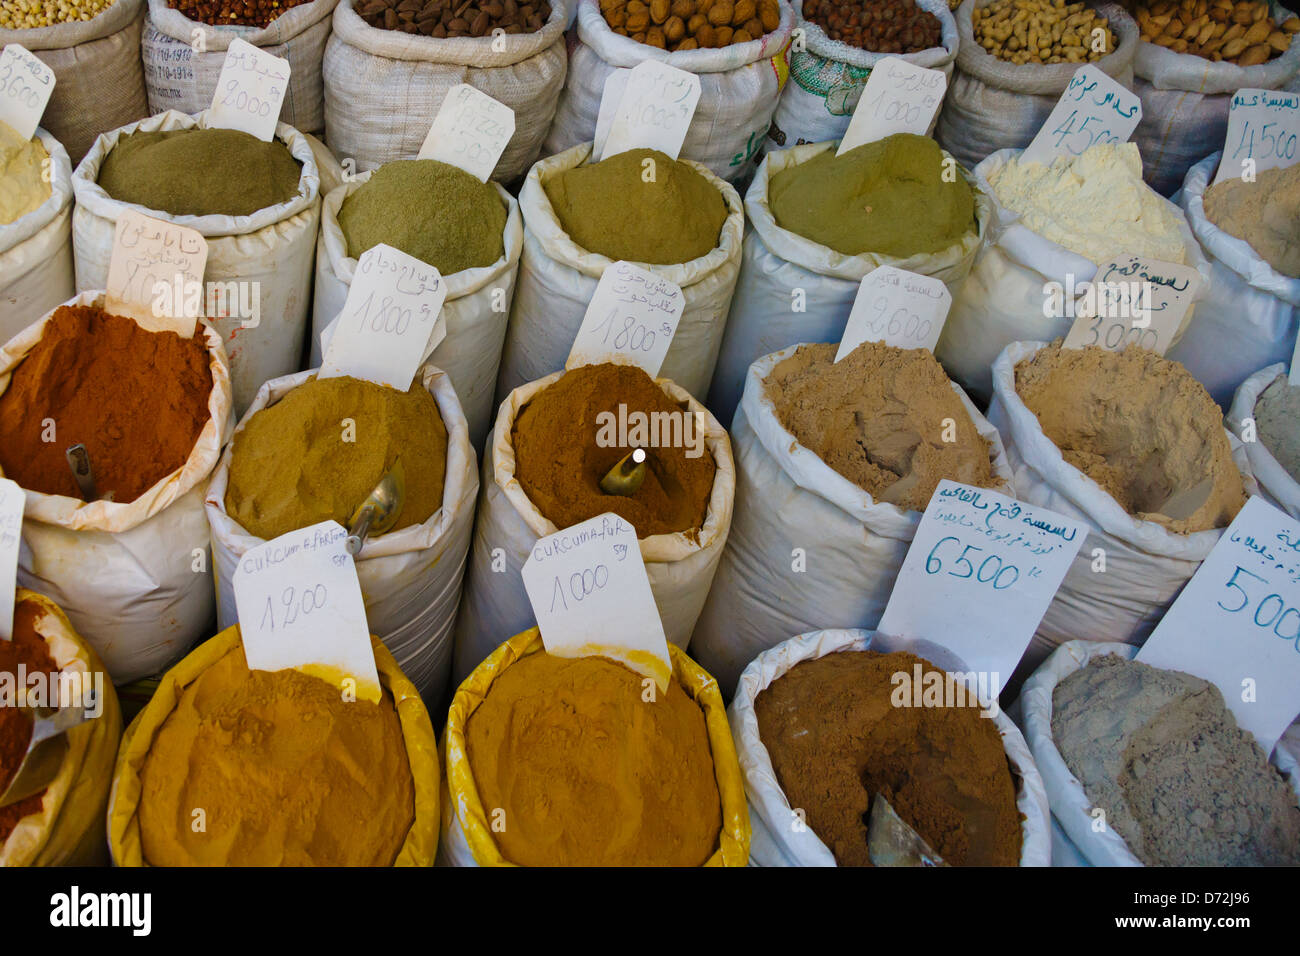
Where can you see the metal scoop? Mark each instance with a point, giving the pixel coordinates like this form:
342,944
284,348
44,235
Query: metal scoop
891,842
1185,503
45,751
626,476
79,462
381,509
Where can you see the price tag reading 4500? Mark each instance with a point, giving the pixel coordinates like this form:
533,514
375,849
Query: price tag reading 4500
1094,109
979,576
1263,126
631,318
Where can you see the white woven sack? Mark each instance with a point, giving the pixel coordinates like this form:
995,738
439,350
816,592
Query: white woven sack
739,87
179,78
774,262
827,77
992,104
1002,300
1146,564
1249,311
557,279
775,842
410,579
680,568
1070,806
98,78
1277,484
788,498
476,309
36,251
125,573
1185,104
273,248
383,87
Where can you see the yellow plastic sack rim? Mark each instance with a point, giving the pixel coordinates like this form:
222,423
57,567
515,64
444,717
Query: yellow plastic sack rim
463,798
124,838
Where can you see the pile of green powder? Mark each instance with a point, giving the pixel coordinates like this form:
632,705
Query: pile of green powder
319,451
886,197
431,210
200,172
609,208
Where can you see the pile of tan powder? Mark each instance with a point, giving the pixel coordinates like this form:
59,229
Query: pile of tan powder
1264,213
1277,418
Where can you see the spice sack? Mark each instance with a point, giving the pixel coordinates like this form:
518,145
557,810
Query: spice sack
1277,481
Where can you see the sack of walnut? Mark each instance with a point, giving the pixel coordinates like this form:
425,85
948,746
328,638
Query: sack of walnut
98,81
383,87
827,75
740,81
180,78
1185,93
994,103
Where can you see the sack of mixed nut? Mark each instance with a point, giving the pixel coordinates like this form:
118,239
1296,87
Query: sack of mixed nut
691,24
1243,32
455,18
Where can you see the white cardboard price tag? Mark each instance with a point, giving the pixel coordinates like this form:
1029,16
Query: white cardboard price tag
1237,622
899,97
300,607
1263,126
631,318
610,97
470,132
155,273
654,111
12,499
1133,301
250,91
897,307
25,87
979,576
391,322
591,596
1094,109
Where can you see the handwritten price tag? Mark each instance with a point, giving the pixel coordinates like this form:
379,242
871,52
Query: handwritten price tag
631,318
12,499
899,97
470,132
155,274
392,320
654,111
1134,301
897,307
591,596
1263,126
300,608
250,91
25,87
1094,109
1237,622
979,576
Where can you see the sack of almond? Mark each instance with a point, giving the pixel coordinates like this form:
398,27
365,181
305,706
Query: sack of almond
1193,56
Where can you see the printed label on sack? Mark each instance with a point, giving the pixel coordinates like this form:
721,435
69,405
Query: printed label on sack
155,274
899,97
300,608
392,320
1133,301
25,87
979,576
897,307
654,110
470,132
1094,109
1237,622
12,499
591,596
250,91
631,319
1263,126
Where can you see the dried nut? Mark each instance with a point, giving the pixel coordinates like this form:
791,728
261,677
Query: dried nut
1233,47
1291,25
741,36
659,10
722,36
1256,55
682,9
744,11
1257,33
704,35
769,11
638,22
720,12
688,44
655,37
1279,41
695,22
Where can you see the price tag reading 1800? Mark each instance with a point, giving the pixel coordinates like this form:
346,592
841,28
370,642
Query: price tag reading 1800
979,576
250,91
25,87
1094,109
631,318
299,606
1263,132
897,307
1237,622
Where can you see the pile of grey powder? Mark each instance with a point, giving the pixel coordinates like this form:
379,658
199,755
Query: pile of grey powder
1159,752
1277,419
